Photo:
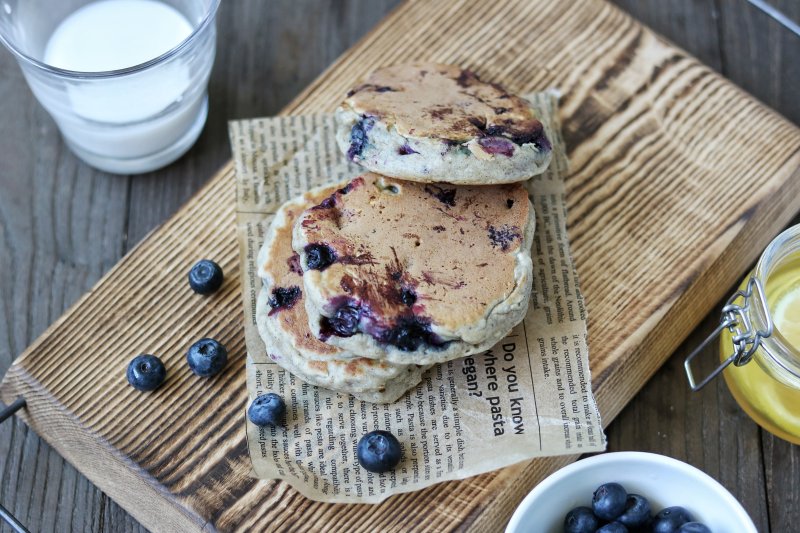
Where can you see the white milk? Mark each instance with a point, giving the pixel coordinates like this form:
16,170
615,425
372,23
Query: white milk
115,34
132,116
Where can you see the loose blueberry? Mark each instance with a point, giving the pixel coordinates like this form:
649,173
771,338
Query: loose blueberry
613,527
694,527
206,357
608,501
636,513
267,410
378,451
344,322
581,520
146,372
319,256
205,277
669,520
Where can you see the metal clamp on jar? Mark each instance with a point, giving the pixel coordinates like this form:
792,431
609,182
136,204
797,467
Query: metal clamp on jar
760,334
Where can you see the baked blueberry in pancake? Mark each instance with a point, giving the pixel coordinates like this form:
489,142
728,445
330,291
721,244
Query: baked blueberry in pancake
434,122
416,273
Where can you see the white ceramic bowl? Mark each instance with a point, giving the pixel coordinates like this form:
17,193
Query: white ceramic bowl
662,480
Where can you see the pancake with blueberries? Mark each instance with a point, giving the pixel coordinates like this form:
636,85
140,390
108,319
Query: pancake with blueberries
283,323
434,122
416,273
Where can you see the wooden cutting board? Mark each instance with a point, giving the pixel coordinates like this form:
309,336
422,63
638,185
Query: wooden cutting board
678,182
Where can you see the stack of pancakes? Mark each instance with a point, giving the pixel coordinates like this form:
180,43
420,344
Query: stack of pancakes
422,259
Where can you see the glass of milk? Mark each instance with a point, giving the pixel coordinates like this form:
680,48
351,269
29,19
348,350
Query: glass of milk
125,80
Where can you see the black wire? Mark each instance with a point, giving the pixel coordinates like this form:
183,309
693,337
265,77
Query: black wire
5,514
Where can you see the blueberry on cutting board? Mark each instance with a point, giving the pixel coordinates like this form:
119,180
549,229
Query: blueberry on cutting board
379,451
146,372
267,410
205,277
206,357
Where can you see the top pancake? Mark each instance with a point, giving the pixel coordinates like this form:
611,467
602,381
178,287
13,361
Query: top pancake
443,102
416,273
434,122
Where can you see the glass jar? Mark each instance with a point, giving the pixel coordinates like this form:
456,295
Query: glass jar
760,335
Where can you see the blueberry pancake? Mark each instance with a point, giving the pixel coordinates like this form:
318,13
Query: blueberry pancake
283,324
416,273
434,122
366,379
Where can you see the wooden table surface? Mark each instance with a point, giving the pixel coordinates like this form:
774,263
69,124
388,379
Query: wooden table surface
63,224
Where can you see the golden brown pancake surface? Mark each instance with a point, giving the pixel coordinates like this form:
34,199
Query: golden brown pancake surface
444,101
392,258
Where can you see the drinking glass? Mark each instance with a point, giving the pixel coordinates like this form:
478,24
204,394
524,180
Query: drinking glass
125,121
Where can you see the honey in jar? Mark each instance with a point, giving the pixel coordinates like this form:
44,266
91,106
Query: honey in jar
760,335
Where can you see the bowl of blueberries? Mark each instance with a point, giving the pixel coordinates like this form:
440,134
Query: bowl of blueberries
630,492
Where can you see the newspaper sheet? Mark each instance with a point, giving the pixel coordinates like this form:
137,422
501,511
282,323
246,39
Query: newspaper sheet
529,396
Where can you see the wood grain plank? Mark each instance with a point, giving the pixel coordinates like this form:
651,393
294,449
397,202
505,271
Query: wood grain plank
630,103
60,230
